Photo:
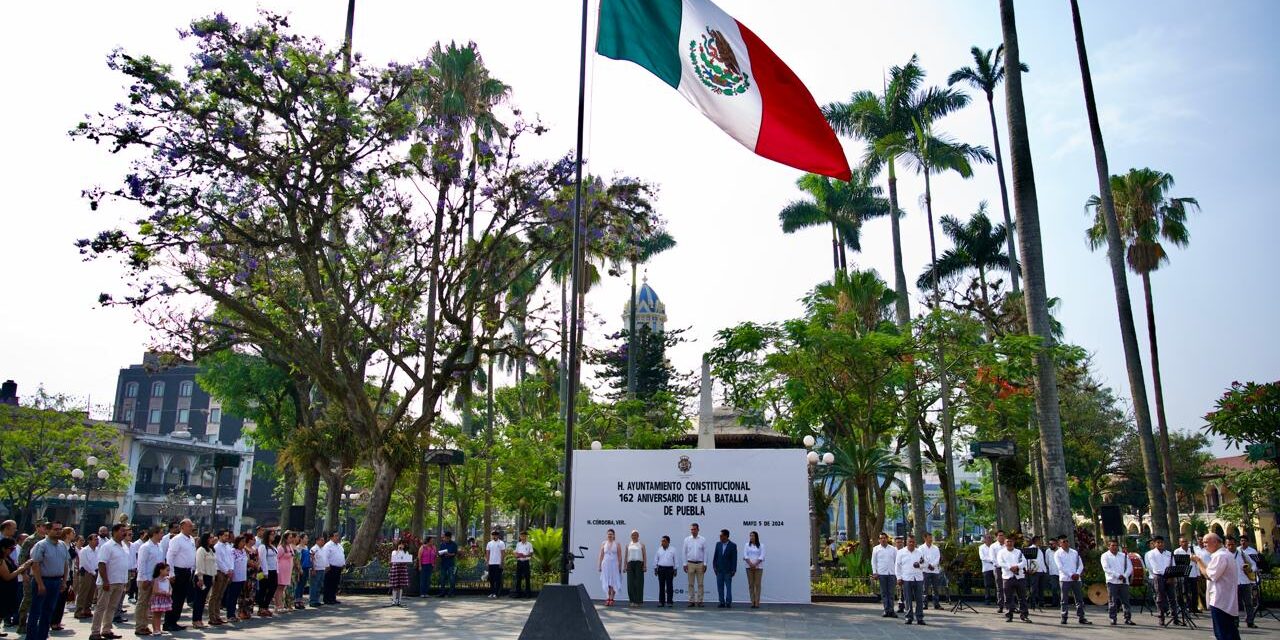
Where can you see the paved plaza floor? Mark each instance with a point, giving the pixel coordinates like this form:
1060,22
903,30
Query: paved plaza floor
476,618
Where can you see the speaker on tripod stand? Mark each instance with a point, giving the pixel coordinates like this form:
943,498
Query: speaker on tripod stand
1112,520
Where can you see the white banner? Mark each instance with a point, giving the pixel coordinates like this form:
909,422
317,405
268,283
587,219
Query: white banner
663,492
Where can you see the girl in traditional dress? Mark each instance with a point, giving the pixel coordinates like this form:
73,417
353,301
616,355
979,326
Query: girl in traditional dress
399,576
611,567
161,595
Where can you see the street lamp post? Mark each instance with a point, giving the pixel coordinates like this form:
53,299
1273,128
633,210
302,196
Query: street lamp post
348,497
89,480
813,459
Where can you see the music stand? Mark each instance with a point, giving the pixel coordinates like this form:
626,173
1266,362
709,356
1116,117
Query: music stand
1179,572
958,603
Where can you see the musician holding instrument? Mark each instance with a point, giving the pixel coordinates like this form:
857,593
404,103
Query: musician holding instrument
1223,573
1158,561
1070,571
1118,569
1248,577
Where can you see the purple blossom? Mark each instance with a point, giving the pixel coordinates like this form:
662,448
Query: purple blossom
486,191
238,131
251,264
208,62
243,214
135,185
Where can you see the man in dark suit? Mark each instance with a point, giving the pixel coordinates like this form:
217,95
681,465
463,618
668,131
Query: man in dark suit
725,564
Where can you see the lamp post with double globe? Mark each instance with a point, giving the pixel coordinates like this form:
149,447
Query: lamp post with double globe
90,480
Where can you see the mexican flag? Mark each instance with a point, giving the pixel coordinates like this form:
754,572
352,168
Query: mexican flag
727,73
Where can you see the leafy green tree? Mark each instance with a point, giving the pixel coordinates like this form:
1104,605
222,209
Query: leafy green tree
42,441
985,75
1146,216
285,192
1247,413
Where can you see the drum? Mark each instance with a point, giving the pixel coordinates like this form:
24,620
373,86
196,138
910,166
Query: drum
1097,594
1139,574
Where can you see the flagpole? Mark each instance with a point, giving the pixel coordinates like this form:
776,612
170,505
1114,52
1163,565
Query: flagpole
566,556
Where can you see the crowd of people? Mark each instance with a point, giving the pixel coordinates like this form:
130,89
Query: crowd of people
164,576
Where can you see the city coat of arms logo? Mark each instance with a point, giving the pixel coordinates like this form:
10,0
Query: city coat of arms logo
716,65
684,464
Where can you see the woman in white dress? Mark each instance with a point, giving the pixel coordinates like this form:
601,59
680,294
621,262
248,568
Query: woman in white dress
610,567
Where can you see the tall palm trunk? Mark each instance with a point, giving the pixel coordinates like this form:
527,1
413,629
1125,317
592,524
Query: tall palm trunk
835,248
1119,280
1035,296
903,308
944,383
1170,492
1010,236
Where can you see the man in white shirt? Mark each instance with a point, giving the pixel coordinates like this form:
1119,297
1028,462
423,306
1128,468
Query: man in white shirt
1049,564
224,558
1158,560
336,558
149,556
988,569
1013,570
494,551
181,556
1036,577
1118,569
909,567
883,561
524,555
1245,579
695,564
994,550
319,568
664,566
113,573
1192,584
131,547
1222,572
932,571
1070,569
86,576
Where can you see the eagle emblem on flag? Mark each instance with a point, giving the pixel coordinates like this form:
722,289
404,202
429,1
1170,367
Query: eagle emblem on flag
716,65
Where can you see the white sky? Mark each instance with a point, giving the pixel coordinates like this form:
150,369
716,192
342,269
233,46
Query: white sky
1181,89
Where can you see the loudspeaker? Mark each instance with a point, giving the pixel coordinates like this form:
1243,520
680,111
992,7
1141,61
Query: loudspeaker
1112,521
297,517
900,529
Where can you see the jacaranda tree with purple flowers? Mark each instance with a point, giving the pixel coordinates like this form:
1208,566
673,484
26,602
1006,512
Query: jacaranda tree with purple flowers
293,208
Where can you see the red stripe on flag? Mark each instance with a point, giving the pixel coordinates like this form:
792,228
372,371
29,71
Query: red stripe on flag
792,129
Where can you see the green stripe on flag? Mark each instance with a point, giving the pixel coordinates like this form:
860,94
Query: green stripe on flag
646,32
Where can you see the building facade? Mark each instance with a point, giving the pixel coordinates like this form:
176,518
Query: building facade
650,311
174,435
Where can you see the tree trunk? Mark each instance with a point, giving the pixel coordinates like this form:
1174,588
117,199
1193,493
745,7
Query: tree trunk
310,498
850,510
631,338
1170,491
903,309
1044,494
287,490
488,453
385,474
866,537
1008,511
947,474
1011,234
1037,523
421,491
1119,279
1035,295
835,249
333,501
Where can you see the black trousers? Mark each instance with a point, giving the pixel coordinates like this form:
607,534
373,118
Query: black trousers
332,576
1015,593
524,576
666,585
495,580
267,589
990,583
1164,595
181,587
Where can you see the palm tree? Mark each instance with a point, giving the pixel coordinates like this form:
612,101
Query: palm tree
1119,281
986,73
1035,297
843,205
881,121
1146,214
977,247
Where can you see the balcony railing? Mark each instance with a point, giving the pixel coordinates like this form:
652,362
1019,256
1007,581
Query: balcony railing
158,489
